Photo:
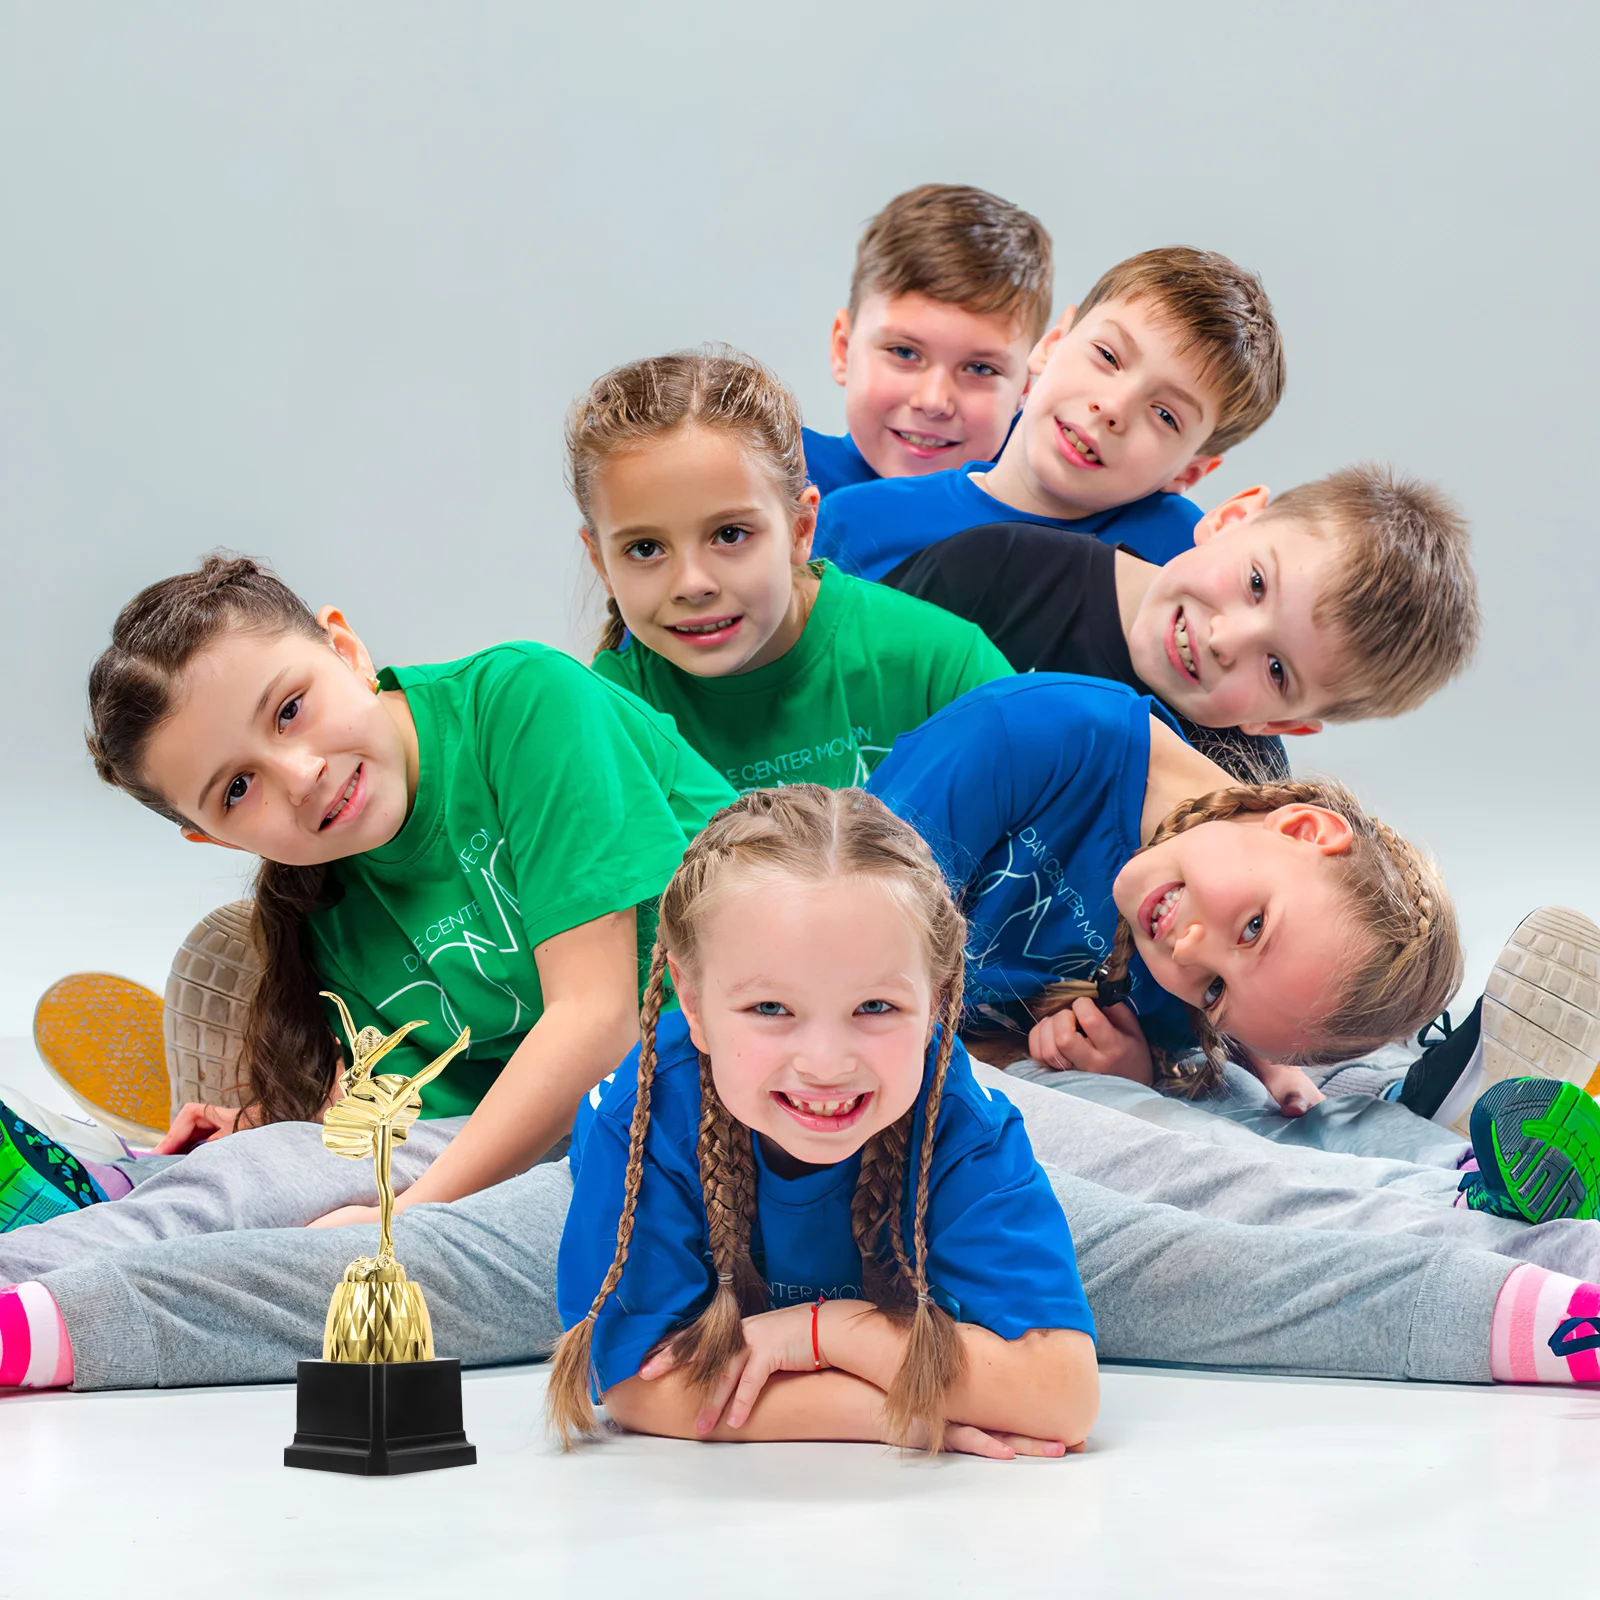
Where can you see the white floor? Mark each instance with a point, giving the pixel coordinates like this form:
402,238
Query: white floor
1193,1485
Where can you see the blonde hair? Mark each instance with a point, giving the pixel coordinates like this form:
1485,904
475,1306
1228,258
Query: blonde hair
1404,600
1219,310
963,247
713,387
802,831
1406,960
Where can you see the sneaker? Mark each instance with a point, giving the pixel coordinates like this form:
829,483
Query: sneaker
38,1179
1480,1197
100,1038
1539,1017
214,976
1537,1141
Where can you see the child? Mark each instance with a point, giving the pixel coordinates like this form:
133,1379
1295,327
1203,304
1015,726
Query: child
475,844
1448,1295
951,291
1346,598
803,1178
698,518
1280,916
1172,358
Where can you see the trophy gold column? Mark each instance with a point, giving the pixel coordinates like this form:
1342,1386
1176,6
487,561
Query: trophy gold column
378,1402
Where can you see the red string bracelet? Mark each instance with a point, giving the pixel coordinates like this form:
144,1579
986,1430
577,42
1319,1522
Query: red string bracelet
816,1349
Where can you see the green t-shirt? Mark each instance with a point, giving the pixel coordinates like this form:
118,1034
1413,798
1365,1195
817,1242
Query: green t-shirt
545,799
869,665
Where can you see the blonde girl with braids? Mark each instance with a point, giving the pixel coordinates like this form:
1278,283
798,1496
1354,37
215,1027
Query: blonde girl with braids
795,1215
475,844
1130,900
697,516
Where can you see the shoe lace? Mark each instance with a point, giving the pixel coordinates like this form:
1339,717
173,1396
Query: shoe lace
1441,1026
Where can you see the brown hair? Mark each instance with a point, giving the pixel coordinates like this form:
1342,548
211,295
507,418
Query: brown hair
965,247
714,387
1404,599
808,832
1406,957
289,1051
1221,311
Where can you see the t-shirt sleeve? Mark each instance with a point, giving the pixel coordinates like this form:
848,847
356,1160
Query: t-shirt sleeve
666,1280
999,1249
582,774
618,667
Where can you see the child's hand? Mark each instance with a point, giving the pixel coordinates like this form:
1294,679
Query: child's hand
966,1440
1289,1086
1087,1039
197,1124
775,1341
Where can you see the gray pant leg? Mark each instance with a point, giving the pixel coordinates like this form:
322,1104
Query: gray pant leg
1346,1124
1227,1173
245,1307
276,1177
1168,1286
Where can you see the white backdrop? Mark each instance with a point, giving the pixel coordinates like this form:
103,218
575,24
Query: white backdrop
317,281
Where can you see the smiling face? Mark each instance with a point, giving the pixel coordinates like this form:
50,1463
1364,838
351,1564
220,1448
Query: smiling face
1115,413
279,746
698,547
1246,920
1225,632
927,385
814,1003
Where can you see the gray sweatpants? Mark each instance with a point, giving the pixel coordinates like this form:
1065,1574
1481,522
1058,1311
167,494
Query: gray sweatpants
155,1294
1350,1124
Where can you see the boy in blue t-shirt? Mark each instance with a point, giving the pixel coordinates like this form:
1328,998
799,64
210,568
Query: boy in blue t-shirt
1173,357
951,290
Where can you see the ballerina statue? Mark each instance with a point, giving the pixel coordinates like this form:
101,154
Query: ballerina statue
376,1314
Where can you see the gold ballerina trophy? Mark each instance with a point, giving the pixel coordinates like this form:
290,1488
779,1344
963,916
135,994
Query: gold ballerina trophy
403,1412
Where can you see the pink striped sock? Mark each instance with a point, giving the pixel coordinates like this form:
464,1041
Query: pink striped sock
1536,1309
35,1352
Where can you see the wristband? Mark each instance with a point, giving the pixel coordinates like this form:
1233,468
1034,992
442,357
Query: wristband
816,1349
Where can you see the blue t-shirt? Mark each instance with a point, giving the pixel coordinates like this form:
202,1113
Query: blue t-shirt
999,1249
833,462
1029,791
870,529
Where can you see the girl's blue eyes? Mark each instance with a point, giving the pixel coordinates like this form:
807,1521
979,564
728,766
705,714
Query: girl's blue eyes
1252,930
1214,992
867,1008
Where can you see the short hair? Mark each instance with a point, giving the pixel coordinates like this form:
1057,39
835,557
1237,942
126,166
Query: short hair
1220,310
963,246
1404,598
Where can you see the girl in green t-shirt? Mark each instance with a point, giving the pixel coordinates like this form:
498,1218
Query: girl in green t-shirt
478,844
697,515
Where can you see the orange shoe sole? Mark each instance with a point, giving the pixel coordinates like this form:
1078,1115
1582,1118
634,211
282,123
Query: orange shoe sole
100,1038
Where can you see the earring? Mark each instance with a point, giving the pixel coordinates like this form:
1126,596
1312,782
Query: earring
376,687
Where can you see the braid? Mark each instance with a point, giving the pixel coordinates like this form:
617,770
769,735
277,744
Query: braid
568,1408
876,1202
1406,859
613,630
934,1355
728,1189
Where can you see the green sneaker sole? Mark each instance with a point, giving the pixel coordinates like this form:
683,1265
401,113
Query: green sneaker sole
1543,1137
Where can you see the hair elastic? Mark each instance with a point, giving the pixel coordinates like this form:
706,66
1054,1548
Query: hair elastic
724,1277
1110,991
816,1349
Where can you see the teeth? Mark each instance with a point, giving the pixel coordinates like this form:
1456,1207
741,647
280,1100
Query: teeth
1181,639
925,441
1085,450
702,627
344,799
1162,907
823,1108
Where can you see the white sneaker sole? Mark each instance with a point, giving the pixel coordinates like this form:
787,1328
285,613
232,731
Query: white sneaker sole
1541,1005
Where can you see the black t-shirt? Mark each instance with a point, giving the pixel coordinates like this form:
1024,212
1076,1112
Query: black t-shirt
1048,600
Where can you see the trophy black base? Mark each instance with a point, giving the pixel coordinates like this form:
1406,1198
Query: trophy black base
376,1420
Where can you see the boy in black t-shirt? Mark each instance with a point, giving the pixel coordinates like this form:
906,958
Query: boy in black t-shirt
1346,598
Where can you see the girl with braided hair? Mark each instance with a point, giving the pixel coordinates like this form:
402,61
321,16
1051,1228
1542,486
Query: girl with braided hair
795,1215
697,516
473,844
